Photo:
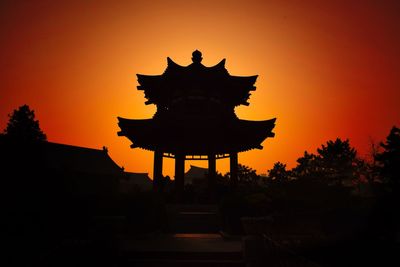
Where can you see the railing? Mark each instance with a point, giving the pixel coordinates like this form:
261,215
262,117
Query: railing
261,250
196,157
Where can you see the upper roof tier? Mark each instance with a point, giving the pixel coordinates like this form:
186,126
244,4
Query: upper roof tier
196,81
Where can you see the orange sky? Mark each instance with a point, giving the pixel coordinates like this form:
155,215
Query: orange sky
326,70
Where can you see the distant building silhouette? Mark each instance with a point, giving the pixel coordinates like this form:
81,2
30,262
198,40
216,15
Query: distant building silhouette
135,181
82,161
195,119
78,170
196,175
91,171
77,159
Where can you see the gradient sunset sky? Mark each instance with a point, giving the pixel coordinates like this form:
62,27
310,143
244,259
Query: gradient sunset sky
326,70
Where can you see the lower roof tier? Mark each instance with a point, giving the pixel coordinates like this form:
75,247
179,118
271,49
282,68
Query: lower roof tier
196,137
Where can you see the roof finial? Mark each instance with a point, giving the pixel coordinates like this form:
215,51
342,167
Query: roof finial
196,57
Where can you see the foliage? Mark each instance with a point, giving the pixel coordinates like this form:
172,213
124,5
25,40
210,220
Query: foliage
22,126
248,199
237,205
335,163
257,204
246,175
308,167
278,173
338,160
389,159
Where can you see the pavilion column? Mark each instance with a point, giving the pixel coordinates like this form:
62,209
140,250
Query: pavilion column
157,171
212,176
234,168
179,176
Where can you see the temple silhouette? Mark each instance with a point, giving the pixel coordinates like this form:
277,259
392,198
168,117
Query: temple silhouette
195,119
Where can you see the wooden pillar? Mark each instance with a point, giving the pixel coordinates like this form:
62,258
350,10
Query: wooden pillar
179,176
157,171
212,176
234,168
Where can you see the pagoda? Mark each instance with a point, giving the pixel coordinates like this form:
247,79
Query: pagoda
195,118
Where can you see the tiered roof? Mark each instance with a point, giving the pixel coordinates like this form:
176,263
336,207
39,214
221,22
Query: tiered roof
196,80
193,137
195,112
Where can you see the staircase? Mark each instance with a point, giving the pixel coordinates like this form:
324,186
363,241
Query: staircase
176,257
193,240
193,218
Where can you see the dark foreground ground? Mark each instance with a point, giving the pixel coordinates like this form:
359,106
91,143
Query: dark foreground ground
109,244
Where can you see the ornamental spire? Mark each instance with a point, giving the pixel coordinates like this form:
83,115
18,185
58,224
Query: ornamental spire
196,57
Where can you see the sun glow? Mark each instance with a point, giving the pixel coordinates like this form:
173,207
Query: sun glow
325,70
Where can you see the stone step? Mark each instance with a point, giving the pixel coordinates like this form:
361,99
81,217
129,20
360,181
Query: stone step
179,263
193,218
182,250
183,255
199,227
155,258
192,207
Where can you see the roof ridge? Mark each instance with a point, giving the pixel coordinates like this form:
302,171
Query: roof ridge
75,146
137,173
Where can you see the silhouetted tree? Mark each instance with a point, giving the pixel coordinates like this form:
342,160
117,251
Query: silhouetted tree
246,175
22,126
335,163
338,160
308,167
389,159
368,169
388,166
278,173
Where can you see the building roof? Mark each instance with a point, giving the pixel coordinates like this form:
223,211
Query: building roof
196,112
79,159
196,172
140,179
196,80
196,137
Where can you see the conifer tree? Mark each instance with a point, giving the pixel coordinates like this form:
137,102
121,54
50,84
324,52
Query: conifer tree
389,158
22,126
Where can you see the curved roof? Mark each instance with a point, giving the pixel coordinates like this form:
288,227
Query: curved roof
196,137
80,159
196,79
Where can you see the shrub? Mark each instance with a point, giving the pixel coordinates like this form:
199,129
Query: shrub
234,206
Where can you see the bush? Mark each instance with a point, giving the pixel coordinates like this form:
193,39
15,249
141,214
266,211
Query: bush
234,206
